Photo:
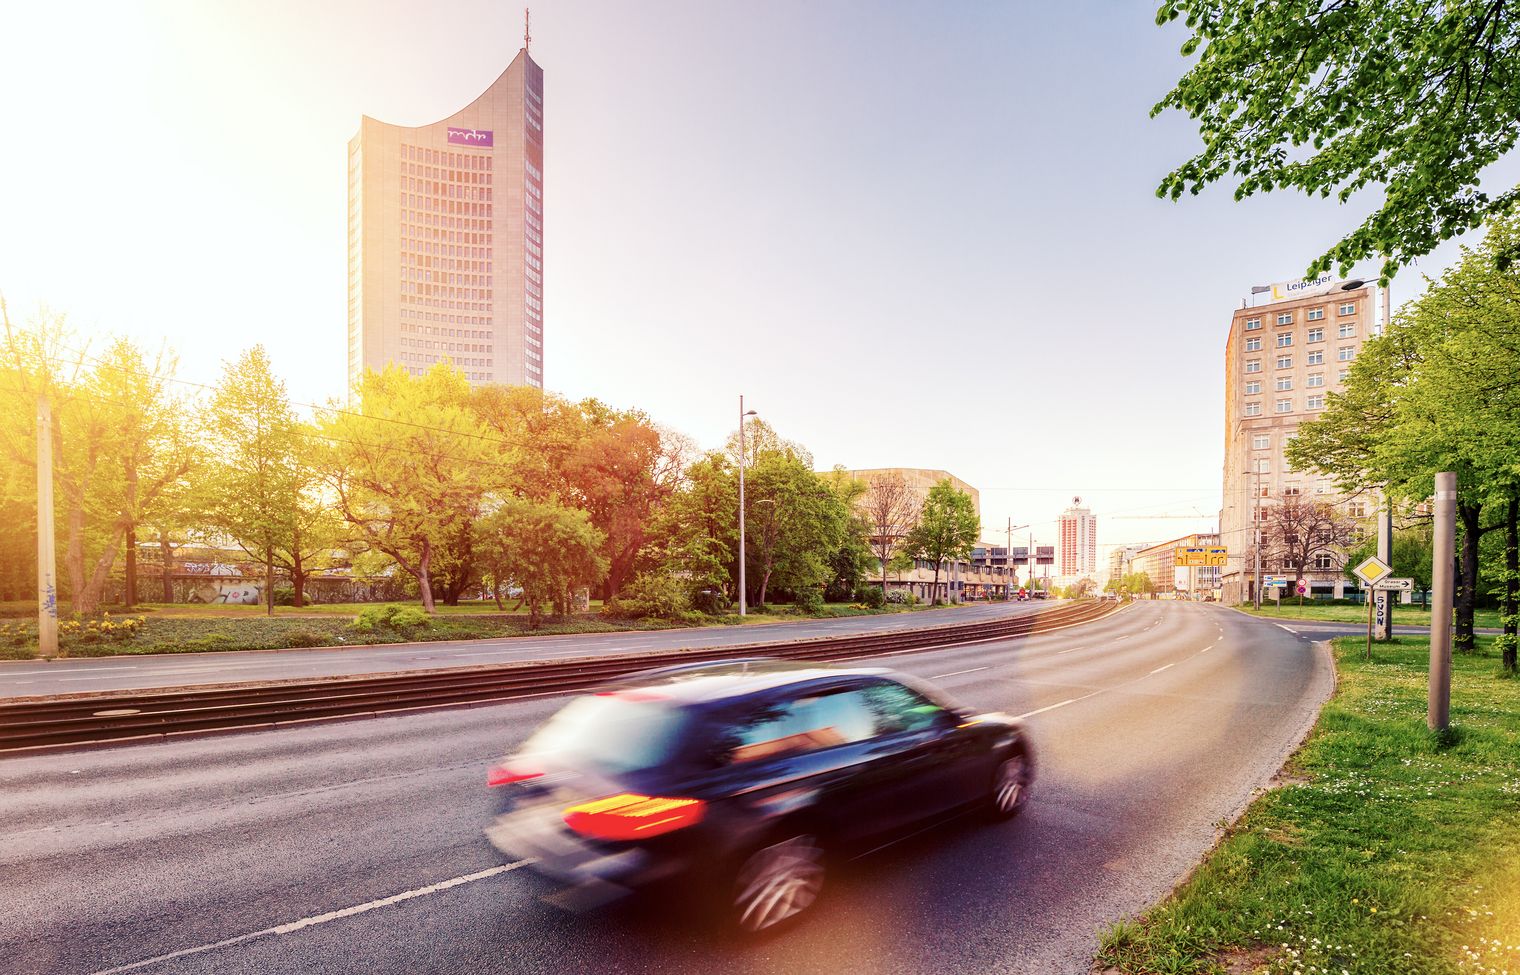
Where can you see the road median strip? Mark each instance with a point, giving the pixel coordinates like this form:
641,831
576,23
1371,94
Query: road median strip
30,725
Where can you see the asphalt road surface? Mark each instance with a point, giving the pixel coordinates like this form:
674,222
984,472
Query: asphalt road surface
71,676
357,847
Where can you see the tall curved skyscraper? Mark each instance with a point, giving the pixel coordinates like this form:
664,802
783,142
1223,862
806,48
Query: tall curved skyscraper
445,238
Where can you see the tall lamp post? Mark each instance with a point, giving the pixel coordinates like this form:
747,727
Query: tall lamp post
742,414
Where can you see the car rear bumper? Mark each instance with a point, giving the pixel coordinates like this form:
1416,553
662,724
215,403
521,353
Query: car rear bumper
538,833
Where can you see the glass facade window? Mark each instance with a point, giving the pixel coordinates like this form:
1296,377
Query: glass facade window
1253,365
1316,357
1348,309
1314,403
1347,330
1284,383
1285,318
1284,340
1254,386
1315,314
1345,353
1284,406
1285,362
1261,441
1253,345
1315,335
1253,409
1252,324
1315,379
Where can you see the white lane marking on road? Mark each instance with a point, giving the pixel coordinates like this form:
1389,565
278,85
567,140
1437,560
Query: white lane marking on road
1288,628
1208,648
316,919
64,670
1052,707
1164,667
1072,650
957,673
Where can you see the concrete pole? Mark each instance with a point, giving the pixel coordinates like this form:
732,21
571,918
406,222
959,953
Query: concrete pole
1383,630
741,505
1256,587
1438,717
1384,618
47,568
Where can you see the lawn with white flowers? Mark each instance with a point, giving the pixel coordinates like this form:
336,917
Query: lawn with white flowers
1389,850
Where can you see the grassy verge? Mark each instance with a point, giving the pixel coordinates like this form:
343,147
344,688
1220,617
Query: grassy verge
250,631
1392,850
1408,615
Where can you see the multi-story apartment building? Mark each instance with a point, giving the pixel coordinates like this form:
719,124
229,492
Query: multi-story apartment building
1078,541
1120,560
1282,359
445,238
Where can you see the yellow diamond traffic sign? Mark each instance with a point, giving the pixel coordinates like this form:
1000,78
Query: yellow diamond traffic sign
1371,570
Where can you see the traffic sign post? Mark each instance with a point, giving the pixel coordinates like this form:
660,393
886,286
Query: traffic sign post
1371,571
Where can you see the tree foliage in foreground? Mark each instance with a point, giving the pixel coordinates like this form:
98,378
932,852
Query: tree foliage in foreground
1412,97
947,529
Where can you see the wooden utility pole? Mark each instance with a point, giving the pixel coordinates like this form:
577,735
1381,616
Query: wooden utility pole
47,567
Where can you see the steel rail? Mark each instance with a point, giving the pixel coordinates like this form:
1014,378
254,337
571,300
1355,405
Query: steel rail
142,715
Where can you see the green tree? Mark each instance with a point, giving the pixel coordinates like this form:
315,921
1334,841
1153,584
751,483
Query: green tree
255,481
1414,98
947,529
851,558
408,464
696,534
544,549
794,522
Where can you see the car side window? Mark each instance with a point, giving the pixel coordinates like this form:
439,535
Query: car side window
897,708
772,729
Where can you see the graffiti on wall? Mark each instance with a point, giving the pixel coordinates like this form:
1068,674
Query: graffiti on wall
238,595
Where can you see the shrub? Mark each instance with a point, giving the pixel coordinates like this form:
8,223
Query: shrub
901,597
391,617
838,591
410,618
809,600
710,601
284,595
651,594
305,638
871,597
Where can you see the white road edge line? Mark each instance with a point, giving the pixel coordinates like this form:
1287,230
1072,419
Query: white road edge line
1288,628
1052,707
316,919
957,673
1164,667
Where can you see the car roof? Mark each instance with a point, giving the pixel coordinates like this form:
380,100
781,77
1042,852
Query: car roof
701,683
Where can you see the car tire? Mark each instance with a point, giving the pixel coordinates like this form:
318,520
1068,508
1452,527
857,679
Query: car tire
1012,777
776,883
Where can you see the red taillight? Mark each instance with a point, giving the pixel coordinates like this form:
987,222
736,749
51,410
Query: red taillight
502,775
633,817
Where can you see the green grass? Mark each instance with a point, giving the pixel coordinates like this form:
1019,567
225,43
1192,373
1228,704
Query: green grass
206,632
1413,615
1392,850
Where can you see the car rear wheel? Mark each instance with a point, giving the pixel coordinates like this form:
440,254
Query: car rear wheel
1010,784
777,882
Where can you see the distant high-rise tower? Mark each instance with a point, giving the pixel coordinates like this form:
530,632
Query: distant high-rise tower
1079,541
446,235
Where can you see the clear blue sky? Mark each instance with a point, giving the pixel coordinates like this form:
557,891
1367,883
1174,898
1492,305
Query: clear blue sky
913,234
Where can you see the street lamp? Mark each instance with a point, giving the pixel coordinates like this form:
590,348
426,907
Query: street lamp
742,414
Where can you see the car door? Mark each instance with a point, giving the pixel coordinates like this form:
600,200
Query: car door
923,763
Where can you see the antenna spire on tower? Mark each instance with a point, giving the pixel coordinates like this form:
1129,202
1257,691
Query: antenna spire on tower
527,36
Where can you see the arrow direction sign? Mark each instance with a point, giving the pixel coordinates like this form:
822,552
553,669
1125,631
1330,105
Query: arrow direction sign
1395,585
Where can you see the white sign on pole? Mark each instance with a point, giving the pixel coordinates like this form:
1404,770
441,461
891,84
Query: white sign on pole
1395,585
1371,570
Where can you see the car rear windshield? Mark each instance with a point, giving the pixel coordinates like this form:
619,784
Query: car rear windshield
613,732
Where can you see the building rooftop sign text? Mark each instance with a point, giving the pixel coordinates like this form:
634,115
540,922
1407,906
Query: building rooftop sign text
471,137
1284,290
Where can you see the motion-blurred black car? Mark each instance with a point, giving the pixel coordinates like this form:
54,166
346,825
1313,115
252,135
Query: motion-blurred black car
745,775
